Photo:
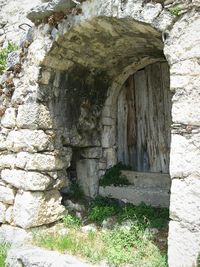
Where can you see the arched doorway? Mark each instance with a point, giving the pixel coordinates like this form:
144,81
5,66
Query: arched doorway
144,119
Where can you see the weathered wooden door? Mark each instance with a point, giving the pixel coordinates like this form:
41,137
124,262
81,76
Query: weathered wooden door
144,119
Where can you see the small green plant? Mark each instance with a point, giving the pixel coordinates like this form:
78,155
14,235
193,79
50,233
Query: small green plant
146,215
114,177
4,54
3,253
101,209
175,10
71,221
98,214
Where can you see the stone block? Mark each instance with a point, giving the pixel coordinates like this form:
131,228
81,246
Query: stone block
189,67
111,157
58,174
34,116
28,140
108,136
9,215
183,245
7,195
31,256
183,42
46,9
27,36
150,12
87,173
14,235
3,144
108,112
108,121
185,200
92,153
185,155
3,208
13,59
178,81
37,208
45,77
102,165
163,21
185,102
19,94
40,162
33,181
9,118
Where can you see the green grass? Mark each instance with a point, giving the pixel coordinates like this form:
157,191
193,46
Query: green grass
75,242
117,246
114,177
71,221
134,246
4,54
103,208
175,10
3,253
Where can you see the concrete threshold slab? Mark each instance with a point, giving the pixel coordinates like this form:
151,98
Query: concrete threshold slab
150,188
136,195
148,179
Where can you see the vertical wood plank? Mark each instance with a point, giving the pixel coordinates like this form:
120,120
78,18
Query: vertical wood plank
122,110
141,99
131,123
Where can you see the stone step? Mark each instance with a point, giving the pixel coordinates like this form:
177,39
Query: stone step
148,179
31,256
156,197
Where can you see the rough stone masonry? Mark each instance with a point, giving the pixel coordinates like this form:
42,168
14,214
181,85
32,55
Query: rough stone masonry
61,110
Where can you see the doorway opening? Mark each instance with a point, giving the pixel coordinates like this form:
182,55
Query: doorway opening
144,119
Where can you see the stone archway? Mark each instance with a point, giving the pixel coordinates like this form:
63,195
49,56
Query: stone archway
83,68
61,52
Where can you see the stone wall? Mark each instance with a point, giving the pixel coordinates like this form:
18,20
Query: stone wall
47,118
25,130
182,52
12,15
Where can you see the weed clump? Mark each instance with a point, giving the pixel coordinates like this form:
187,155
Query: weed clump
71,221
4,54
103,208
175,10
113,176
3,253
